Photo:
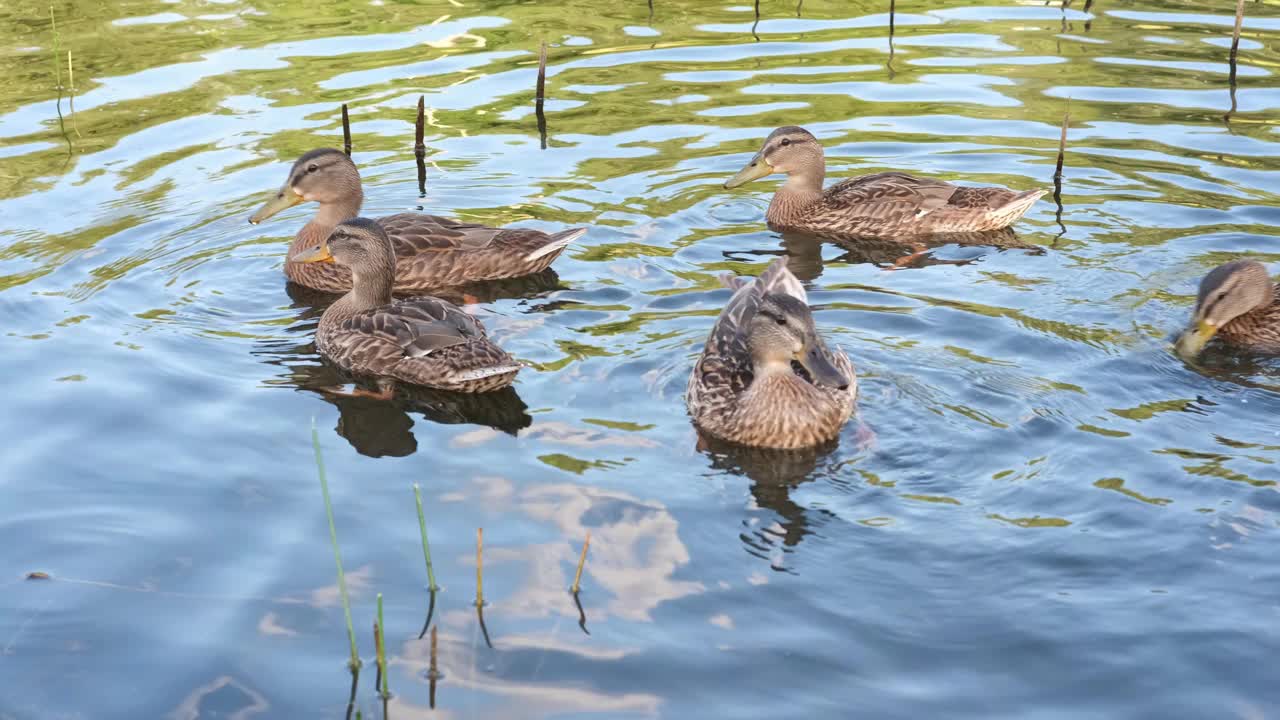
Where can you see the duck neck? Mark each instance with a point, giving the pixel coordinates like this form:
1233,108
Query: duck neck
771,371
370,288
801,191
326,219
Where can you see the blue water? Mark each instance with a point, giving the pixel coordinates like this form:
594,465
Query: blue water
1040,512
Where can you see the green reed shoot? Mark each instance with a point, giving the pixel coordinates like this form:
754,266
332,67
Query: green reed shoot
379,640
426,547
354,663
71,94
57,56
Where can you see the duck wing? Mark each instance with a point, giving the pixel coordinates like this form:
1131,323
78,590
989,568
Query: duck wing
414,233
416,327
425,341
434,252
726,359
417,233
379,339
892,194
889,195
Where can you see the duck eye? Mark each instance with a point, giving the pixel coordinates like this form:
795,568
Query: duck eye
312,168
1222,294
781,320
786,142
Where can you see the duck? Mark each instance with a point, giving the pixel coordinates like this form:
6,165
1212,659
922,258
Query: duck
1239,304
765,378
879,205
422,341
432,251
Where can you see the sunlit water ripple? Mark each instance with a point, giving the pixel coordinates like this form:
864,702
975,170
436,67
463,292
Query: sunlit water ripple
1041,512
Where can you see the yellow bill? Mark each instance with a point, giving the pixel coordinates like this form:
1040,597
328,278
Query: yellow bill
1193,339
283,200
320,253
756,169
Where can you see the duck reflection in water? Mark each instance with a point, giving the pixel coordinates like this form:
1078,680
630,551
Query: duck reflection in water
380,428
773,474
807,264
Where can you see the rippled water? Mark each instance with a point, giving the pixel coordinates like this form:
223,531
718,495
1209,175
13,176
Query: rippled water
1043,514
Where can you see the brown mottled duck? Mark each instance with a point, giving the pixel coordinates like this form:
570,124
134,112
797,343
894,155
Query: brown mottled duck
766,378
1240,305
421,340
879,205
431,251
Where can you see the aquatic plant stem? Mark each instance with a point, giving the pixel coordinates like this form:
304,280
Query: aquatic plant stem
380,641
419,147
1062,144
1235,35
71,94
577,577
354,663
426,547
346,131
57,78
540,95
57,59
479,567
433,671
542,72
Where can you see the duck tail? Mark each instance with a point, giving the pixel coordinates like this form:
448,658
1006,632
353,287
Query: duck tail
1023,201
480,373
1016,207
556,242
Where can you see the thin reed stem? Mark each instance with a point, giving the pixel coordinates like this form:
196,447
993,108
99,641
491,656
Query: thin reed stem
542,72
479,567
380,638
346,131
426,546
420,147
1062,145
354,663
71,94
1235,33
577,577
57,55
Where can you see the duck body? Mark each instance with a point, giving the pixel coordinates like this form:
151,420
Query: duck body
893,204
431,252
744,387
434,252
421,341
888,204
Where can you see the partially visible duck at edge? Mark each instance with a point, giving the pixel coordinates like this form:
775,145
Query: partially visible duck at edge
879,205
420,341
1240,306
431,251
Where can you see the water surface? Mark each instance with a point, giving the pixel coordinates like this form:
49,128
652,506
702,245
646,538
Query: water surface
1042,513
